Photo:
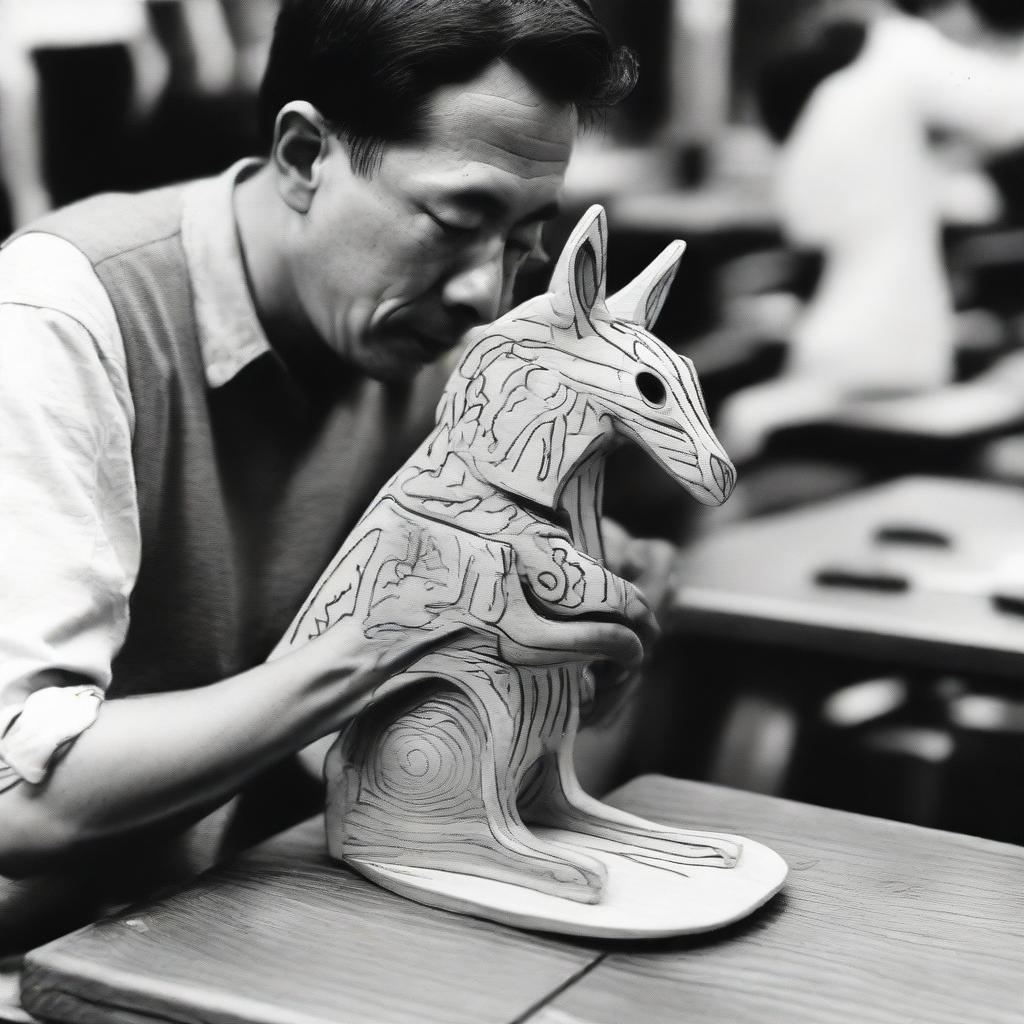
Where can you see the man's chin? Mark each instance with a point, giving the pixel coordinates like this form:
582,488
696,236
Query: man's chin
389,373
393,366
401,357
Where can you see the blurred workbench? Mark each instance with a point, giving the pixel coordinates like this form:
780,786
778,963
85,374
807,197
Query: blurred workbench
862,652
920,570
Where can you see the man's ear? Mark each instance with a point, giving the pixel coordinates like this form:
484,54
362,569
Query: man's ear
301,138
579,276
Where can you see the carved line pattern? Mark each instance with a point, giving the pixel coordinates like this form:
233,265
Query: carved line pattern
443,778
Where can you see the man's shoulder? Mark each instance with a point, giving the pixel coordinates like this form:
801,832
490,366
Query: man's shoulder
49,273
114,224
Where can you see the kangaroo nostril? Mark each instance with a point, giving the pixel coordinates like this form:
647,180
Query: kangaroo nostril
723,474
650,387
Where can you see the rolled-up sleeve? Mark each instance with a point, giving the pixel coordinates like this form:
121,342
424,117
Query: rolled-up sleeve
69,536
32,733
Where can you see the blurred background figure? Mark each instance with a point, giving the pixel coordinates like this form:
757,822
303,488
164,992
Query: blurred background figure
30,32
251,23
874,110
123,94
207,118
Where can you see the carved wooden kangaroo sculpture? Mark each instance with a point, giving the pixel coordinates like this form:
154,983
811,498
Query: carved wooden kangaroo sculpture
494,524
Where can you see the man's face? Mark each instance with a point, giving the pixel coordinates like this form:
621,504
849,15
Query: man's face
393,268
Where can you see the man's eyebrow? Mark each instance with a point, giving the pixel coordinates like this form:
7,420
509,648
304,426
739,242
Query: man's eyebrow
491,206
546,212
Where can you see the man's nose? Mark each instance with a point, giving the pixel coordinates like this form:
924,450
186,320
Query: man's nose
477,288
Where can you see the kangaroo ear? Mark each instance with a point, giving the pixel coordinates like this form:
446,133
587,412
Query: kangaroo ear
579,276
641,300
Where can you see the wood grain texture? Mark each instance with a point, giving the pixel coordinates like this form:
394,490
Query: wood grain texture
287,936
880,923
487,536
10,1012
757,581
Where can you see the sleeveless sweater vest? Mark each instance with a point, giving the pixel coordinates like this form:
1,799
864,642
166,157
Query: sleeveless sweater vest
246,490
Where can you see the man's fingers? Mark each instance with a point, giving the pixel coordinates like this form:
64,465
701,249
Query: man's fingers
613,688
405,652
649,564
385,673
365,665
641,617
618,632
575,640
610,641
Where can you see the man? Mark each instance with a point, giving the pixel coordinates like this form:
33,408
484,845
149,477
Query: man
204,386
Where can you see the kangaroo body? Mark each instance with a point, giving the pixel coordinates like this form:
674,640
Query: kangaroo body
494,524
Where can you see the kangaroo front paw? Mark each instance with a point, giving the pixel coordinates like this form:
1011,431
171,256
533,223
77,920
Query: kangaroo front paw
518,859
576,878
655,845
554,798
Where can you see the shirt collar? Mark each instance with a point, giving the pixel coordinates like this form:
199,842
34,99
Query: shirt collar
230,335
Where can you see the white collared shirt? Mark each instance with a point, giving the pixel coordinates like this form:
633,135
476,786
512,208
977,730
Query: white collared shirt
69,523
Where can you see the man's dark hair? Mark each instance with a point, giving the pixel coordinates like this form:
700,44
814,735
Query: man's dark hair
369,66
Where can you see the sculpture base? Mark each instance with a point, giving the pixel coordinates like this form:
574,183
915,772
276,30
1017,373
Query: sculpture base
640,900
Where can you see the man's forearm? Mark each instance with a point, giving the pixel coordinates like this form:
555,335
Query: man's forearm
148,759
156,758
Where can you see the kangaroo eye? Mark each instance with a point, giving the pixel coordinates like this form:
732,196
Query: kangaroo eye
651,388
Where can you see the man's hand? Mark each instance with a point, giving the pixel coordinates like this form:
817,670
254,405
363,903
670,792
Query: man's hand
646,562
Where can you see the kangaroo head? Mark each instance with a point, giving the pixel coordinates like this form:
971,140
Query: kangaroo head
572,371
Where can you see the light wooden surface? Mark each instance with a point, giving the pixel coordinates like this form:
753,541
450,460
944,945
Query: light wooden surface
9,983
879,922
757,580
287,936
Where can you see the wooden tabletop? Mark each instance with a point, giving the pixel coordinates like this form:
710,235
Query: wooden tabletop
923,570
878,922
